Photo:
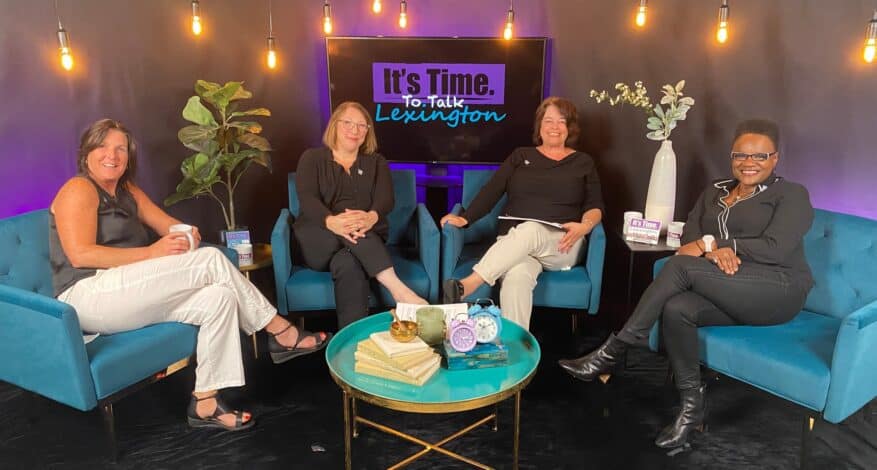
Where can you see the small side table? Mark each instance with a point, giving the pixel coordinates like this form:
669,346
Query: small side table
633,248
261,259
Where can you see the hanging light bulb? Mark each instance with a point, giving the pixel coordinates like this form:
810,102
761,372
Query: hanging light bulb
871,39
271,58
376,6
641,13
722,32
196,18
63,43
403,14
66,54
327,18
508,32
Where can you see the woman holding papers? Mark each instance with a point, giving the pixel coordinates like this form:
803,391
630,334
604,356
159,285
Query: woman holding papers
553,183
346,191
741,263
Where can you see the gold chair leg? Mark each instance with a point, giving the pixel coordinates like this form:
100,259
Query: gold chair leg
347,458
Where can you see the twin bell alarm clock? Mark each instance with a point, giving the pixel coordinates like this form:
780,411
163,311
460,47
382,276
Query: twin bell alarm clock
488,320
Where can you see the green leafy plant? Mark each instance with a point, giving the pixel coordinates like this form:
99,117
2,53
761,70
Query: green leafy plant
661,121
225,145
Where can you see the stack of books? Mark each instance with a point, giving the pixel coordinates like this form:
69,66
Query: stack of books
495,354
380,355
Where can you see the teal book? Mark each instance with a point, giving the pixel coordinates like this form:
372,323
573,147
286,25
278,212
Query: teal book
484,355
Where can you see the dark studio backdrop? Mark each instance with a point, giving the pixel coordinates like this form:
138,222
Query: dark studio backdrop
795,61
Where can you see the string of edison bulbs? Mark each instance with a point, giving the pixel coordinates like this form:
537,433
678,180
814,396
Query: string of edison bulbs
723,24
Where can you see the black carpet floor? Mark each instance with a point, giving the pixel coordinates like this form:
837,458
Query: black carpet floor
565,424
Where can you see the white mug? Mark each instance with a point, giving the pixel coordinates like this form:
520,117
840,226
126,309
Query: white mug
628,216
674,234
186,230
245,254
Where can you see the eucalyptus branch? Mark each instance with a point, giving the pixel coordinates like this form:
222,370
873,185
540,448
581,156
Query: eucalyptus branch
660,121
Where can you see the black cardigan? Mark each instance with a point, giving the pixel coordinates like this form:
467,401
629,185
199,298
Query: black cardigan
320,183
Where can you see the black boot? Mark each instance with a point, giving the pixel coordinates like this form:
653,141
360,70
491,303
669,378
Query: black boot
690,417
597,362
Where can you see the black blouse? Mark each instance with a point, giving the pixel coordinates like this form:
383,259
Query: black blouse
765,227
324,188
540,188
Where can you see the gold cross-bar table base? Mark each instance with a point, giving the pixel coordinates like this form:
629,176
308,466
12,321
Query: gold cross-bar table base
351,419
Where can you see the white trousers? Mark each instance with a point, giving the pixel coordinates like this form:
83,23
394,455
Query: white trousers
200,288
518,257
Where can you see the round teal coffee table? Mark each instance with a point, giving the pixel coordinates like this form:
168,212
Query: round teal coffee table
446,392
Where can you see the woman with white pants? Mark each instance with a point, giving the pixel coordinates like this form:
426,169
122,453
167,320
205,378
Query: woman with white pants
551,182
104,266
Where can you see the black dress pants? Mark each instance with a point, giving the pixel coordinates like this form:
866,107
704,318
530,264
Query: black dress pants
351,265
691,292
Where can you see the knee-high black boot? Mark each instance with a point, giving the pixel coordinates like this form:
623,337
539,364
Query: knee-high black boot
597,361
690,417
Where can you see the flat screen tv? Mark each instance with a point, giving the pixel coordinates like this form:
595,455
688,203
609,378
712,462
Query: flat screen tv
442,100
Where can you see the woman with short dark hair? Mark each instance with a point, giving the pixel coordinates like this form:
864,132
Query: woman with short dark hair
551,181
741,263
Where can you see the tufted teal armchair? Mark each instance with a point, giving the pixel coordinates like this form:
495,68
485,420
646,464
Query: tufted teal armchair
413,243
41,341
824,359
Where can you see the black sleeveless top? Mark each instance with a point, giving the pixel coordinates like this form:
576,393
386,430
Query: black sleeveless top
118,226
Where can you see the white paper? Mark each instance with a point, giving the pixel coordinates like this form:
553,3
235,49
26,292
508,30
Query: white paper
525,219
409,311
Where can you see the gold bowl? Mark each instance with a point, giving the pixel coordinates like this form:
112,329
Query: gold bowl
403,330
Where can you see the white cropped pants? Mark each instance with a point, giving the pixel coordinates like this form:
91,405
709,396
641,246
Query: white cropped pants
518,257
200,288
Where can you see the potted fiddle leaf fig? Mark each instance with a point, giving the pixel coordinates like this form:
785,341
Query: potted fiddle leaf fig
225,141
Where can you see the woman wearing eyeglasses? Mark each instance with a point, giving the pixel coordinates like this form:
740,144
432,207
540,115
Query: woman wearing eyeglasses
346,191
741,263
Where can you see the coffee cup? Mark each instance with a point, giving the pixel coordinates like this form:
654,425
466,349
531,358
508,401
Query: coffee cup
245,253
186,230
674,234
628,216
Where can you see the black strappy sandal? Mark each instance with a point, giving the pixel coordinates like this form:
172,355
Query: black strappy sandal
280,353
213,420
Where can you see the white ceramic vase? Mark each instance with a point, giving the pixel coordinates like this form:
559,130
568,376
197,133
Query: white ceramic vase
661,199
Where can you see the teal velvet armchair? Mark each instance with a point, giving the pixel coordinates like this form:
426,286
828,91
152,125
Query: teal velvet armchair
413,243
578,288
41,341
824,359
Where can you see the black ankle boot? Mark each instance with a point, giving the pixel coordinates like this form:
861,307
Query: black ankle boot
690,417
597,361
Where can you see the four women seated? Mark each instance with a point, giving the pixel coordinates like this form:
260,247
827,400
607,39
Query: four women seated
742,260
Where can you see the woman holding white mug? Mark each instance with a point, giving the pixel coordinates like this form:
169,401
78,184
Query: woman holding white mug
104,265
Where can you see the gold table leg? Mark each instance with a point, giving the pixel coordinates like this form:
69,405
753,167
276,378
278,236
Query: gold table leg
355,417
517,430
347,460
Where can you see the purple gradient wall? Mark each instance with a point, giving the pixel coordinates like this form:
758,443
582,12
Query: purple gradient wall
795,61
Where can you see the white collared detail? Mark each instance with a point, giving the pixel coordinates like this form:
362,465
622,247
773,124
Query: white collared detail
526,162
722,218
359,171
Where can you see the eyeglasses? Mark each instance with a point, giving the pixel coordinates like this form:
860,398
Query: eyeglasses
350,125
758,157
